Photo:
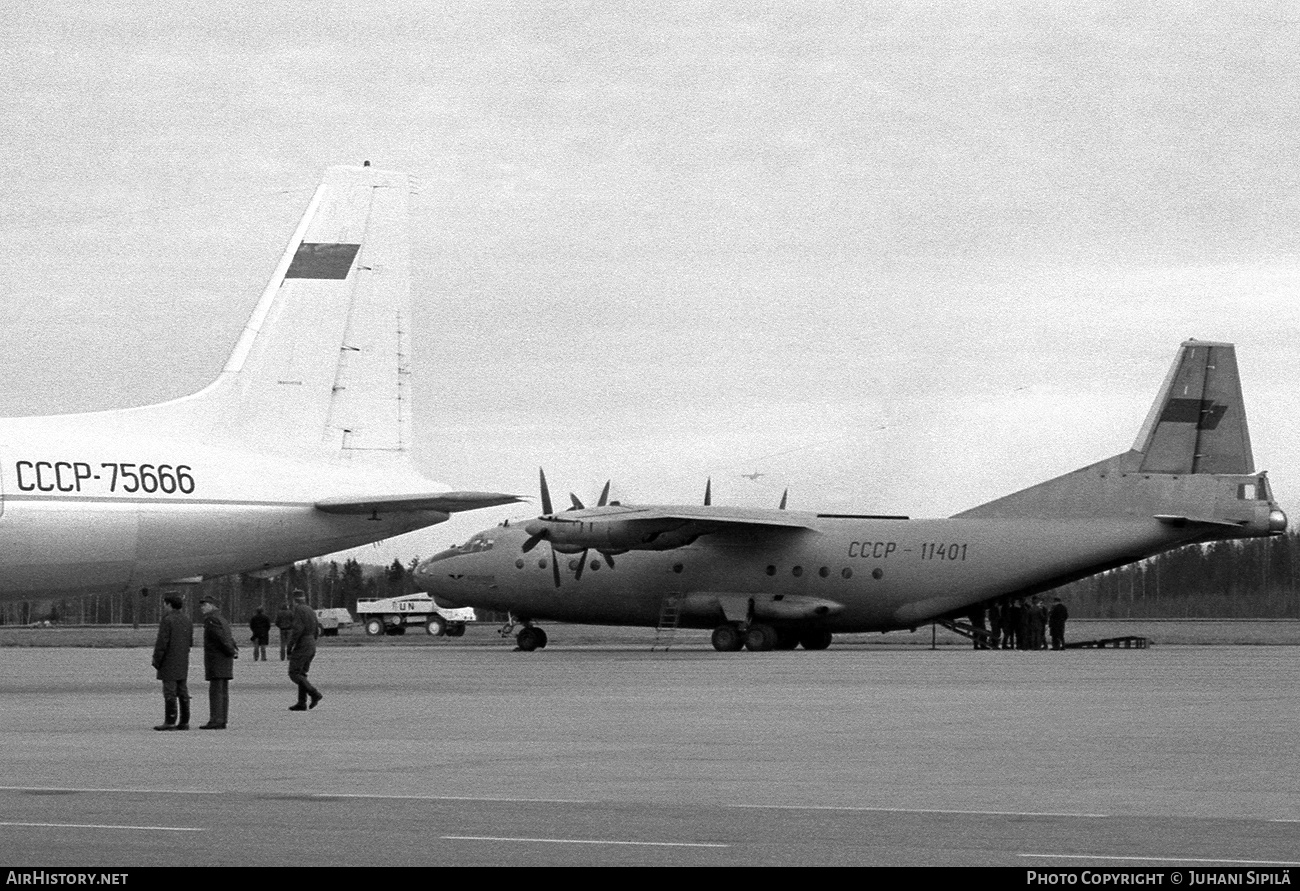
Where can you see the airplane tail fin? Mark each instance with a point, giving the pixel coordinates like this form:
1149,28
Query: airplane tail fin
1198,422
322,367
1191,463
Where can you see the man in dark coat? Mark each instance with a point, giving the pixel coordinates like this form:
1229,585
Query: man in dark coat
171,658
302,649
260,625
219,654
284,621
1056,623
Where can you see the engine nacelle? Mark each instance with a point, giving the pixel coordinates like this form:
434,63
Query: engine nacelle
612,536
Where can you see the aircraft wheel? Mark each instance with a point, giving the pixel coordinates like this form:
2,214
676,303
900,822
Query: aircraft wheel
374,627
541,638
815,640
530,639
760,638
396,629
727,639
456,629
786,639
436,626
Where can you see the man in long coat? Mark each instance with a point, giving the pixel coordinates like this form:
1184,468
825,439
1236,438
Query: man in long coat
219,654
260,625
171,658
1056,622
302,649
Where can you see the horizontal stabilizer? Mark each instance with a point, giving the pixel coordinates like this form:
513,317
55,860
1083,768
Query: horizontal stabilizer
442,502
1178,521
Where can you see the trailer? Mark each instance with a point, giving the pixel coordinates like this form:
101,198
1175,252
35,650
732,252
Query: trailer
331,619
393,615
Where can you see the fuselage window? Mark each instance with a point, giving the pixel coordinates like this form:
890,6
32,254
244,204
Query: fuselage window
797,571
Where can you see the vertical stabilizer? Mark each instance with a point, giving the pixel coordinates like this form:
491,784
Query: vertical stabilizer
322,368
1198,422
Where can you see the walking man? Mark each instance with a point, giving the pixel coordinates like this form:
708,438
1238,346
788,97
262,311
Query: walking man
302,649
260,625
171,659
219,654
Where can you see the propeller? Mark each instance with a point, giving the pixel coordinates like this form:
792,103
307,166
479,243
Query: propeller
548,513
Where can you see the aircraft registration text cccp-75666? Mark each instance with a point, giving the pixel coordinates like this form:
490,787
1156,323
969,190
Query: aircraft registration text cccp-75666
79,476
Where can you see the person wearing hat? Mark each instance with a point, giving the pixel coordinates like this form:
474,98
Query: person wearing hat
171,659
219,654
302,649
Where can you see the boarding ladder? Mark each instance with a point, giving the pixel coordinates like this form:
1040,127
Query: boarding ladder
669,613
982,637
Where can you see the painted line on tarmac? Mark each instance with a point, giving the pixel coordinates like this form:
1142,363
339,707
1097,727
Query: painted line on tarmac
112,791
320,795
582,841
1163,859
448,798
105,826
913,810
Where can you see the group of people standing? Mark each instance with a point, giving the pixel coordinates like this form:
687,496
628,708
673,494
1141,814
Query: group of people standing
1021,625
171,656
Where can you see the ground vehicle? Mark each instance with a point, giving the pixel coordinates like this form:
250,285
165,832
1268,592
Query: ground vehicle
331,619
392,615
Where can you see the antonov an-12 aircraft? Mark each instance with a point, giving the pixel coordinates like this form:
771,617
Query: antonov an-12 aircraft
775,579
301,446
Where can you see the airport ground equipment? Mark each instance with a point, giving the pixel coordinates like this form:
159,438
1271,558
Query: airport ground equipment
331,619
393,615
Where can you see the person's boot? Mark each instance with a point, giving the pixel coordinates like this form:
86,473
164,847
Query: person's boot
215,718
169,716
184,723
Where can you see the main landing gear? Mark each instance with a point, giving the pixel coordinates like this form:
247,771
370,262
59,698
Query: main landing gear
760,638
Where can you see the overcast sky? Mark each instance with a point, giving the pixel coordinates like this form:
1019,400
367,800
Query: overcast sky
900,257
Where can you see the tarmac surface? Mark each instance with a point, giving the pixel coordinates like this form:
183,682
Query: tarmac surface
590,755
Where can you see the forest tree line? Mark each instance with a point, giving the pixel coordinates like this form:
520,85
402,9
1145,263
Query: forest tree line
327,584
1255,578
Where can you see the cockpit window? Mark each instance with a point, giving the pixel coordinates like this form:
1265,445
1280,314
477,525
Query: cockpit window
477,543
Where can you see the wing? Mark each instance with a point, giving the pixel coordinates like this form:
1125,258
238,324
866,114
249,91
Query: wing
441,502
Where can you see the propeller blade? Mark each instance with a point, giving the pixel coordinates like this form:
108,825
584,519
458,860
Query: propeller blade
783,497
708,492
582,561
609,559
546,494
555,566
532,541
604,495
577,505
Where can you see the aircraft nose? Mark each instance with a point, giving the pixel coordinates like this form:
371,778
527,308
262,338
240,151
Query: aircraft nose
426,571
1277,521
